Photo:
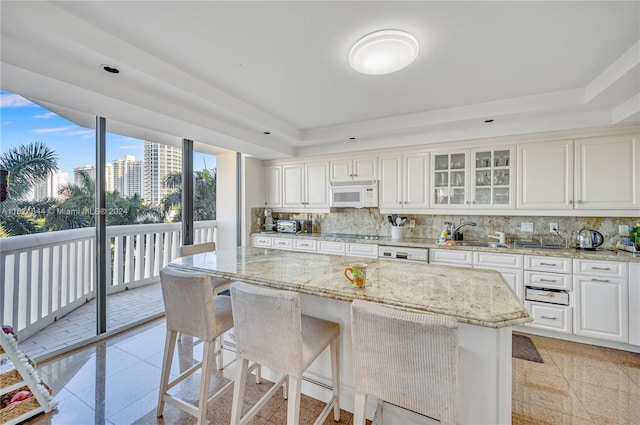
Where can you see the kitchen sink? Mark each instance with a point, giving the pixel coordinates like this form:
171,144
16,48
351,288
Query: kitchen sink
536,245
482,244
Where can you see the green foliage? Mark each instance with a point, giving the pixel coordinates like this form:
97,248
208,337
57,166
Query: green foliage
204,195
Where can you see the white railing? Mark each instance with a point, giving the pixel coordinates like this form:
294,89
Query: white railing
45,276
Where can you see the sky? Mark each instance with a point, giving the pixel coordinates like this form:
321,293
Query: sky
23,122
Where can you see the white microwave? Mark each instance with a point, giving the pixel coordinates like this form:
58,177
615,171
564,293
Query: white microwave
362,194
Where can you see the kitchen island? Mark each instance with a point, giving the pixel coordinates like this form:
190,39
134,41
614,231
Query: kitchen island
480,300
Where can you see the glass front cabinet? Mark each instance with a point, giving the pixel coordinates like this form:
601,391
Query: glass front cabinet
477,178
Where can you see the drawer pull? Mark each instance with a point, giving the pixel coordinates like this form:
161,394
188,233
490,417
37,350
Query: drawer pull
548,318
548,280
600,268
548,264
600,280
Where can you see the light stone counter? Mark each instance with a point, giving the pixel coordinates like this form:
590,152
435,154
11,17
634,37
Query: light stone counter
481,300
478,297
432,243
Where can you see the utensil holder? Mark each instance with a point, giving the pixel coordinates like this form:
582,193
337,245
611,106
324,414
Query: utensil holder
398,232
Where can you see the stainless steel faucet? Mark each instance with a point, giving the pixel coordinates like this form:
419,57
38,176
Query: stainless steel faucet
455,235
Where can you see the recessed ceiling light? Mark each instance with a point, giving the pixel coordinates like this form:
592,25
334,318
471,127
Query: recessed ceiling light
488,120
110,69
352,138
383,52
266,132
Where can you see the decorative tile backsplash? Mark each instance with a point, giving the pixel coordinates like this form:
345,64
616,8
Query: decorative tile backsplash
369,221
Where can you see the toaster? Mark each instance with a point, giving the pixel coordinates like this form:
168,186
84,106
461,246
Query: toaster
288,226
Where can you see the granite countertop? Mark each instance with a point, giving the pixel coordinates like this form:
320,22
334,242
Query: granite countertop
433,243
474,296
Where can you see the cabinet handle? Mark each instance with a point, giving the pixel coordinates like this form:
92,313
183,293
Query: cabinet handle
548,280
570,201
548,264
600,268
399,202
579,201
548,318
600,280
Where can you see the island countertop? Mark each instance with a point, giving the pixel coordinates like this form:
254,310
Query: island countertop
473,296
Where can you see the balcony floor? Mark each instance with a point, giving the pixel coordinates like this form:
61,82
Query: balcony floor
124,309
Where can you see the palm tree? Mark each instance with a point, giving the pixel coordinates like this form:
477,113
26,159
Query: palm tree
27,165
204,196
75,210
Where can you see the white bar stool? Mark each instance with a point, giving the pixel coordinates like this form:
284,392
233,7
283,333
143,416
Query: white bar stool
406,358
270,330
191,308
219,284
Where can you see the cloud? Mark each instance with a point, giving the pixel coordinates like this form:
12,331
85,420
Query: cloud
81,133
45,115
53,129
14,101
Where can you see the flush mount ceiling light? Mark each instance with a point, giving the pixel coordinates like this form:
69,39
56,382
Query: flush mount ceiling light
383,52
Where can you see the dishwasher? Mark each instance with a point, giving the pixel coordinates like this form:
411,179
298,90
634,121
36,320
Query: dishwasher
403,253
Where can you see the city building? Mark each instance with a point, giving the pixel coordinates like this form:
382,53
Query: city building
91,170
51,186
128,176
160,161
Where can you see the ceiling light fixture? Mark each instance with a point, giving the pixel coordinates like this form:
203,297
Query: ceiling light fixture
383,52
110,69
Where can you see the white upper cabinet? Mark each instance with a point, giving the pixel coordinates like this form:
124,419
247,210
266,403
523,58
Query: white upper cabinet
587,174
404,181
354,169
450,179
273,186
492,179
305,185
545,175
607,173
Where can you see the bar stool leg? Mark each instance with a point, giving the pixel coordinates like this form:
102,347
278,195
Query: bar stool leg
167,359
293,404
335,372
359,408
238,390
207,361
218,348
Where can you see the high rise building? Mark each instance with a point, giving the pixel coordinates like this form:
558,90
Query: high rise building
51,186
128,176
91,170
159,161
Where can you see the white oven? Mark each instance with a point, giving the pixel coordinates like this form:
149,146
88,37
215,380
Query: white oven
362,194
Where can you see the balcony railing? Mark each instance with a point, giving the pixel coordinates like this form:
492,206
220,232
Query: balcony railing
44,276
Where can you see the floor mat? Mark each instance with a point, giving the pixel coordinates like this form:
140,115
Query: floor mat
523,348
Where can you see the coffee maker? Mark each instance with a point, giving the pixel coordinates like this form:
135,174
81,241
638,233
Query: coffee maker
268,220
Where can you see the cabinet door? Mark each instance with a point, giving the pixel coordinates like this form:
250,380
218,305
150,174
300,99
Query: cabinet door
341,170
608,172
602,307
416,182
545,175
492,179
451,257
273,186
365,169
316,185
449,180
390,190
293,185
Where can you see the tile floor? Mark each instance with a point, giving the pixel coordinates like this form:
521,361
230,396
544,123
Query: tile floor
115,381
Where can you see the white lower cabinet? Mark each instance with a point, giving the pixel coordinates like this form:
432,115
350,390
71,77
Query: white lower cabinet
451,257
306,245
508,265
602,300
262,241
362,250
331,247
550,317
282,243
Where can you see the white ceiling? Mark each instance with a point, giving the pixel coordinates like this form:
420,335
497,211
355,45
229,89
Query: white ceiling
222,73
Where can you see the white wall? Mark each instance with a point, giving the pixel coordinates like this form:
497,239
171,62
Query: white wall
226,195
253,185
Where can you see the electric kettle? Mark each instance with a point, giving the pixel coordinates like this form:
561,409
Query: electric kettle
589,239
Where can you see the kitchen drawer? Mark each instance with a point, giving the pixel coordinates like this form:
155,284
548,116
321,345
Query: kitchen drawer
547,280
550,317
452,257
362,250
492,259
307,245
330,247
262,241
282,243
600,268
547,264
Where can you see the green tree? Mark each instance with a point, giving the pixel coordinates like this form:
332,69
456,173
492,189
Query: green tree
27,165
204,196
